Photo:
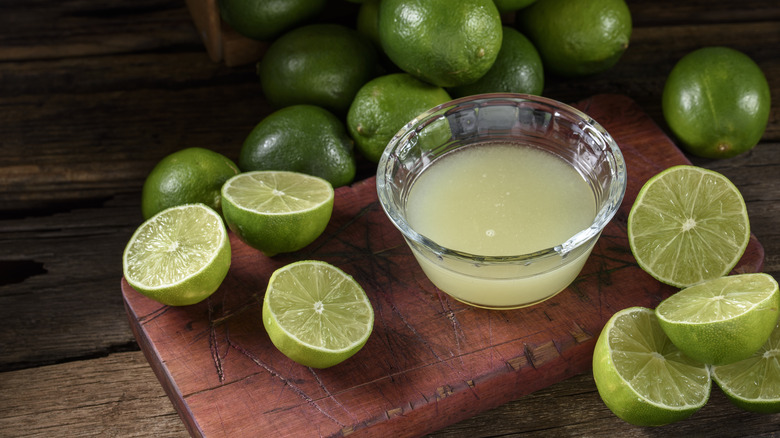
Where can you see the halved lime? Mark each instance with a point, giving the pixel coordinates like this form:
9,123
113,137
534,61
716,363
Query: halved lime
642,376
276,211
723,320
316,314
178,256
753,384
687,225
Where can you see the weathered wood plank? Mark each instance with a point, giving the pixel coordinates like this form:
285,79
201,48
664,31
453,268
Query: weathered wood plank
118,395
41,29
112,396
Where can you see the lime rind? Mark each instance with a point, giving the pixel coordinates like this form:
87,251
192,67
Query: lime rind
179,256
641,376
723,320
316,314
753,384
688,225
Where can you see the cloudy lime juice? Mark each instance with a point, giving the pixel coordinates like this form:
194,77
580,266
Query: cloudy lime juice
500,200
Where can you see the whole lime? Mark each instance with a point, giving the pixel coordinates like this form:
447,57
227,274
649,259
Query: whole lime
384,105
192,175
575,37
318,64
301,138
518,69
265,19
716,101
444,42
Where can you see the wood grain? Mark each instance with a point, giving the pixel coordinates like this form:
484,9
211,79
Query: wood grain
100,397
431,361
93,94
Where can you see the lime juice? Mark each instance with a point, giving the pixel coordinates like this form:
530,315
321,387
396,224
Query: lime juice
496,200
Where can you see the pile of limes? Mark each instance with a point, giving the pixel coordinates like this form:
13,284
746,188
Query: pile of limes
688,228
376,68
314,312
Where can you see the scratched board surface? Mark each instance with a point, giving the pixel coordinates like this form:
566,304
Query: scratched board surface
431,360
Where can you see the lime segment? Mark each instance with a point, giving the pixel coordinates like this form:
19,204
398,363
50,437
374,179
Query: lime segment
277,212
316,314
687,225
753,384
642,376
723,320
179,256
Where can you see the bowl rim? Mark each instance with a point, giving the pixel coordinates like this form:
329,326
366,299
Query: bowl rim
614,197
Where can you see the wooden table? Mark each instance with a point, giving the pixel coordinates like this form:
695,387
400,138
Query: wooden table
93,94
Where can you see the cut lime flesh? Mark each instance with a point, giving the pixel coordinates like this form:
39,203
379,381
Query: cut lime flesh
641,376
316,314
271,192
179,256
754,383
687,225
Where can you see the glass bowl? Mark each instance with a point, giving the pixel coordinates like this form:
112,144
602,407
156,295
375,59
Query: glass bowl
501,281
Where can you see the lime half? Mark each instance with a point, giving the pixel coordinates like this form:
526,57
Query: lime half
316,314
277,212
753,384
723,320
642,376
687,225
179,256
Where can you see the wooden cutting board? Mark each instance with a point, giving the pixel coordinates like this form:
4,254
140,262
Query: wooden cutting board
431,361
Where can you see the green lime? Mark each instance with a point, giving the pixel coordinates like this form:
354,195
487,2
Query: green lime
641,376
316,314
384,105
368,21
301,138
518,69
505,6
575,37
723,320
753,384
179,256
716,102
185,177
444,42
266,19
318,64
687,225
277,212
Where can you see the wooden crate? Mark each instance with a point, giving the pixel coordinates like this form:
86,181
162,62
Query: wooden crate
223,44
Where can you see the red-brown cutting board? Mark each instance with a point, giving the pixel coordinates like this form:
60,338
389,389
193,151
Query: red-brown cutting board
430,361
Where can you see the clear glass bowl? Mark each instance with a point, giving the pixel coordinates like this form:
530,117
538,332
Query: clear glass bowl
485,280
